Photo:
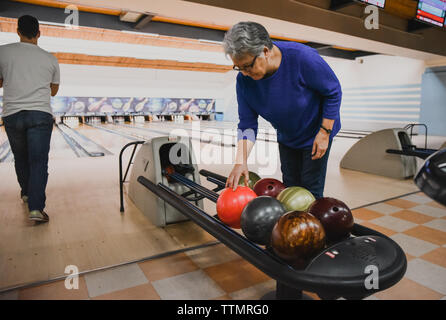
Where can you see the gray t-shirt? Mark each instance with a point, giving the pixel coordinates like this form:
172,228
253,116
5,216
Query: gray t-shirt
27,72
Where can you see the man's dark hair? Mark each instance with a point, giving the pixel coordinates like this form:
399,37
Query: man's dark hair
28,26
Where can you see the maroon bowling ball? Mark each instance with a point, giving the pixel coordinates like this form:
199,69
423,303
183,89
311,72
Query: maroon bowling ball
334,215
268,187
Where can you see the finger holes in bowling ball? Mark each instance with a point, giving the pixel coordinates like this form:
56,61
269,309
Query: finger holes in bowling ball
335,216
270,187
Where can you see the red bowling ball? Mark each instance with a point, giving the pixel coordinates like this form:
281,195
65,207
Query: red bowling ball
334,215
230,204
268,187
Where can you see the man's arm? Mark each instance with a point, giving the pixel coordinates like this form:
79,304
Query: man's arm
54,89
56,78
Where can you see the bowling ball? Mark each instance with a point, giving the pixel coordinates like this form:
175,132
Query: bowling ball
230,204
297,236
296,198
268,187
253,178
335,216
117,103
167,171
259,217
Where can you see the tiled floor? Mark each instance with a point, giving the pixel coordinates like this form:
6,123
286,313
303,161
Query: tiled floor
415,222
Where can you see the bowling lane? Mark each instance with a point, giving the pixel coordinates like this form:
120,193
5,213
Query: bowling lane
228,129
59,148
266,131
3,136
130,131
5,149
166,128
108,140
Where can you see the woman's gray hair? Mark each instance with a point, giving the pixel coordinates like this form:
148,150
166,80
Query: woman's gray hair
246,38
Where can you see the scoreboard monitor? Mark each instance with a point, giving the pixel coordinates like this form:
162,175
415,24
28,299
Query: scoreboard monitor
432,12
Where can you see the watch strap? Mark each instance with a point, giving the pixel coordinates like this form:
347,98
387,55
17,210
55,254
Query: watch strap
326,130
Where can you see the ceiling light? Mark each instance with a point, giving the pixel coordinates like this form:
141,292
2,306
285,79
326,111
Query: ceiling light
210,41
141,33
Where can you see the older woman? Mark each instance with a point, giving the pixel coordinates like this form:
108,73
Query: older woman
293,88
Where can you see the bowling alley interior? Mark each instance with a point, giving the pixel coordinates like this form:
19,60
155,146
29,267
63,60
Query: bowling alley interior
145,137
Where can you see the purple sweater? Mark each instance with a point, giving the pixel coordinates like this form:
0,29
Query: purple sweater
294,99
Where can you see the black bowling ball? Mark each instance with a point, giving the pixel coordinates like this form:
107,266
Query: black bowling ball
259,217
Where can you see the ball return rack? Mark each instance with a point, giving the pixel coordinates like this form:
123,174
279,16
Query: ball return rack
354,268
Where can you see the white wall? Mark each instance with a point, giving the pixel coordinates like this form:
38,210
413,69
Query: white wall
79,80
98,81
377,70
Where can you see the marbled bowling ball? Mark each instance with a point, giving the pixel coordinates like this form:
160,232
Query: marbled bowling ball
296,198
297,236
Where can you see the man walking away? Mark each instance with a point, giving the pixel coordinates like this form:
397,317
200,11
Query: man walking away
30,76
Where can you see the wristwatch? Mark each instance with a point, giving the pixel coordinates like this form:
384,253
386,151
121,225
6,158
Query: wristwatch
326,130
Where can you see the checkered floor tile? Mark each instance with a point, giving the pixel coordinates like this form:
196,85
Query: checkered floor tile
415,222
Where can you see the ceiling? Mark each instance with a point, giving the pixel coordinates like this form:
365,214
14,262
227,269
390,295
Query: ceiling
205,21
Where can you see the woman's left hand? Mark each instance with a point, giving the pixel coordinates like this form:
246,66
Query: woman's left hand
320,145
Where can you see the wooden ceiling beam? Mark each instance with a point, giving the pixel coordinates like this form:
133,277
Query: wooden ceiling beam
405,9
106,35
127,62
64,4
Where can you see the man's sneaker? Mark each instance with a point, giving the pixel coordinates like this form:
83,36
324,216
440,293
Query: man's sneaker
25,199
40,216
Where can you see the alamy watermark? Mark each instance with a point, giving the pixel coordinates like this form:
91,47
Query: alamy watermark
371,22
72,20
72,280
216,147
371,282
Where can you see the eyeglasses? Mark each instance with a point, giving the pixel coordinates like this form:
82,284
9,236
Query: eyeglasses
245,68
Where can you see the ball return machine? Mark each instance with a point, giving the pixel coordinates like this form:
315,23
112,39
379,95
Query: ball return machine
340,270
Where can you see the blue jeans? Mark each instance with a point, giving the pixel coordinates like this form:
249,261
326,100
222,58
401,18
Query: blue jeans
299,170
29,134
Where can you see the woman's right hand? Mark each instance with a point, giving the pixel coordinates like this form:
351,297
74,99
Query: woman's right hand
238,171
